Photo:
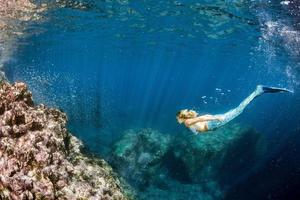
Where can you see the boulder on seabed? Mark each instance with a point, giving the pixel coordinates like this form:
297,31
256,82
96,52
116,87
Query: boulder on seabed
138,155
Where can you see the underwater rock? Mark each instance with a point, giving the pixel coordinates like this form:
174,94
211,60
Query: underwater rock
222,155
186,165
138,155
39,159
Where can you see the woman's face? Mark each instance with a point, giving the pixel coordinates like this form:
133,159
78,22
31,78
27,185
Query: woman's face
186,114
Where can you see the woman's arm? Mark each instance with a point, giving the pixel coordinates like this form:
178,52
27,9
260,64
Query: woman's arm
203,118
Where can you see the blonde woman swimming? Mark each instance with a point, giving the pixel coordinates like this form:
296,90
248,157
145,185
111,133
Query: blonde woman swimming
203,123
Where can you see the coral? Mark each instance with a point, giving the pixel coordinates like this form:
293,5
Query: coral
40,159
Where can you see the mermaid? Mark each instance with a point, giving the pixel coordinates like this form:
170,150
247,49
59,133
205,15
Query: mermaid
203,123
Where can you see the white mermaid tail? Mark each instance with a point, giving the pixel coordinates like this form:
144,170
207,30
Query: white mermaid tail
233,113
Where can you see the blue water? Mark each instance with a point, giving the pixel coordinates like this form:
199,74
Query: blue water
118,65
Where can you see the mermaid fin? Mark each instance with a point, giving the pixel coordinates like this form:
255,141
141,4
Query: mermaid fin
267,89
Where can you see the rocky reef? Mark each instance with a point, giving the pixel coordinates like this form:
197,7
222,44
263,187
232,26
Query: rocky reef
40,159
139,154
186,166
222,155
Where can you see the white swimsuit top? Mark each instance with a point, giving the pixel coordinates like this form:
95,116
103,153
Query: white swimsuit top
198,126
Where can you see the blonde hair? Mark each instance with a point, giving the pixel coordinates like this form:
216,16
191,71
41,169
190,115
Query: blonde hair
185,114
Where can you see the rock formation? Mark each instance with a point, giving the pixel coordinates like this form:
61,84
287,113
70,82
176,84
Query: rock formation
139,154
39,159
161,166
222,155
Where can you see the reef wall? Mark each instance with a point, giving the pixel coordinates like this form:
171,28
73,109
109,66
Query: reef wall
40,159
